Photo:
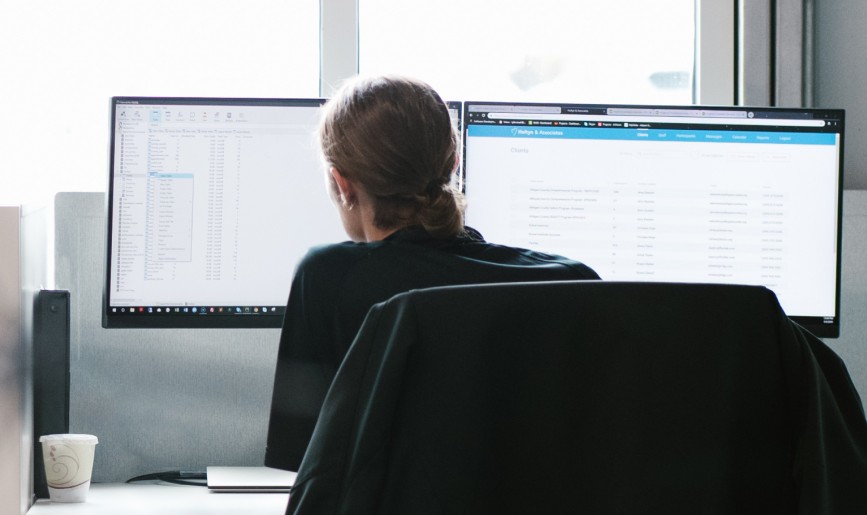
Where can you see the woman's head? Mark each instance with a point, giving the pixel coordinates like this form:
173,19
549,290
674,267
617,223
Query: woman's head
393,138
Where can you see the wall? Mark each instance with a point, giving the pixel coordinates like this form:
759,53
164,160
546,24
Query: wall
185,399
839,75
14,414
157,399
852,344
35,227
840,72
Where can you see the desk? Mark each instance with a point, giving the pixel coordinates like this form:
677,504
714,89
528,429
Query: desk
162,499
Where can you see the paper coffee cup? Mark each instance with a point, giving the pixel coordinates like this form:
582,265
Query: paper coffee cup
68,465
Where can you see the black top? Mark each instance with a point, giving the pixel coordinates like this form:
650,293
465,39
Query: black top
334,288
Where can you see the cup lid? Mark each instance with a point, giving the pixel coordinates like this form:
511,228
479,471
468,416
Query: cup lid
77,438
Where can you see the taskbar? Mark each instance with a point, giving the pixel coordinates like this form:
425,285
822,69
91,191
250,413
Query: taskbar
196,310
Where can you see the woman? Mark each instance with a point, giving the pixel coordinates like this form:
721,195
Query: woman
391,155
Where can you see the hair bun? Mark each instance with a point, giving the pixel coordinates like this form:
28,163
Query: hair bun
391,135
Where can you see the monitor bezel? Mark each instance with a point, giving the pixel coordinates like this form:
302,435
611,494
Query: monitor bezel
817,325
144,320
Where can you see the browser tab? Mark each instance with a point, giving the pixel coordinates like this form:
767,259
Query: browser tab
628,111
530,109
695,113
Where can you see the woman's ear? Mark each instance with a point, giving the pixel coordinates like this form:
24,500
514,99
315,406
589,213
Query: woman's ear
345,188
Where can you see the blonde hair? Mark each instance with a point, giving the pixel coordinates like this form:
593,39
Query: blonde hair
395,137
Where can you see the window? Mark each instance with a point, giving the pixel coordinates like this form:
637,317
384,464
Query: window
583,51
63,61
82,53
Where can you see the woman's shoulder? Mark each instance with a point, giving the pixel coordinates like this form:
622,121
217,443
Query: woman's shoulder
527,257
518,256
334,254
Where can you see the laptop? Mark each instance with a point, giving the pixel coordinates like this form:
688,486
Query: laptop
249,479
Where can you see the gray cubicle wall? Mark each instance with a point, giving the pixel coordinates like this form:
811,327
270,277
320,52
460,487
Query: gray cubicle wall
184,399
161,399
15,410
852,344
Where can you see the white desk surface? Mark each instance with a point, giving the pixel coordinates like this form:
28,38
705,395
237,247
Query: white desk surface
163,499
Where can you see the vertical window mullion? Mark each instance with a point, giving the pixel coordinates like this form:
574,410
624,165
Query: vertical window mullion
338,43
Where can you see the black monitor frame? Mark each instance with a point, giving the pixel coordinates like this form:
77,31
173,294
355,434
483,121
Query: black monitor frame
835,122
221,316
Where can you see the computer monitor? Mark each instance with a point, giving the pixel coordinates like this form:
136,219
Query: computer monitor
211,203
675,193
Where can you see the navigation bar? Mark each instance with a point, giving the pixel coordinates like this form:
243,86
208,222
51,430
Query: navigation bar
707,136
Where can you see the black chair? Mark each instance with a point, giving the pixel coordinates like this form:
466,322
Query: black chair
586,397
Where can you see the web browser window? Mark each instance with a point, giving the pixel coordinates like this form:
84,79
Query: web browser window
680,194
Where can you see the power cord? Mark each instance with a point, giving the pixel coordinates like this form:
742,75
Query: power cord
178,477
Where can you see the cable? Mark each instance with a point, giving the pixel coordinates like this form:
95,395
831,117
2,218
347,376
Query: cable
178,477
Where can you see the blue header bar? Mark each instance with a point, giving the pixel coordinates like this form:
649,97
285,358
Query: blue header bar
548,132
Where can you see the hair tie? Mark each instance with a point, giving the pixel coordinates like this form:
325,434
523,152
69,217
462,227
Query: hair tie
435,187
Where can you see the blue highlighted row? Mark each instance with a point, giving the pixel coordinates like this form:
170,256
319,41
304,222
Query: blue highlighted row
158,175
512,131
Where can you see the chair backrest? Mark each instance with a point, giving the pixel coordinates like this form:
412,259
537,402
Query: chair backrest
594,397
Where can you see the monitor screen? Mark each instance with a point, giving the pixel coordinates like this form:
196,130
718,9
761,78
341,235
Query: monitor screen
679,194
211,203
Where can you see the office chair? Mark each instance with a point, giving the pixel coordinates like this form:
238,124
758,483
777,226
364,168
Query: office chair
586,397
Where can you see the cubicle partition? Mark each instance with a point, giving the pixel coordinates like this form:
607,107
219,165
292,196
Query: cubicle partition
158,399
169,399
15,425
852,344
